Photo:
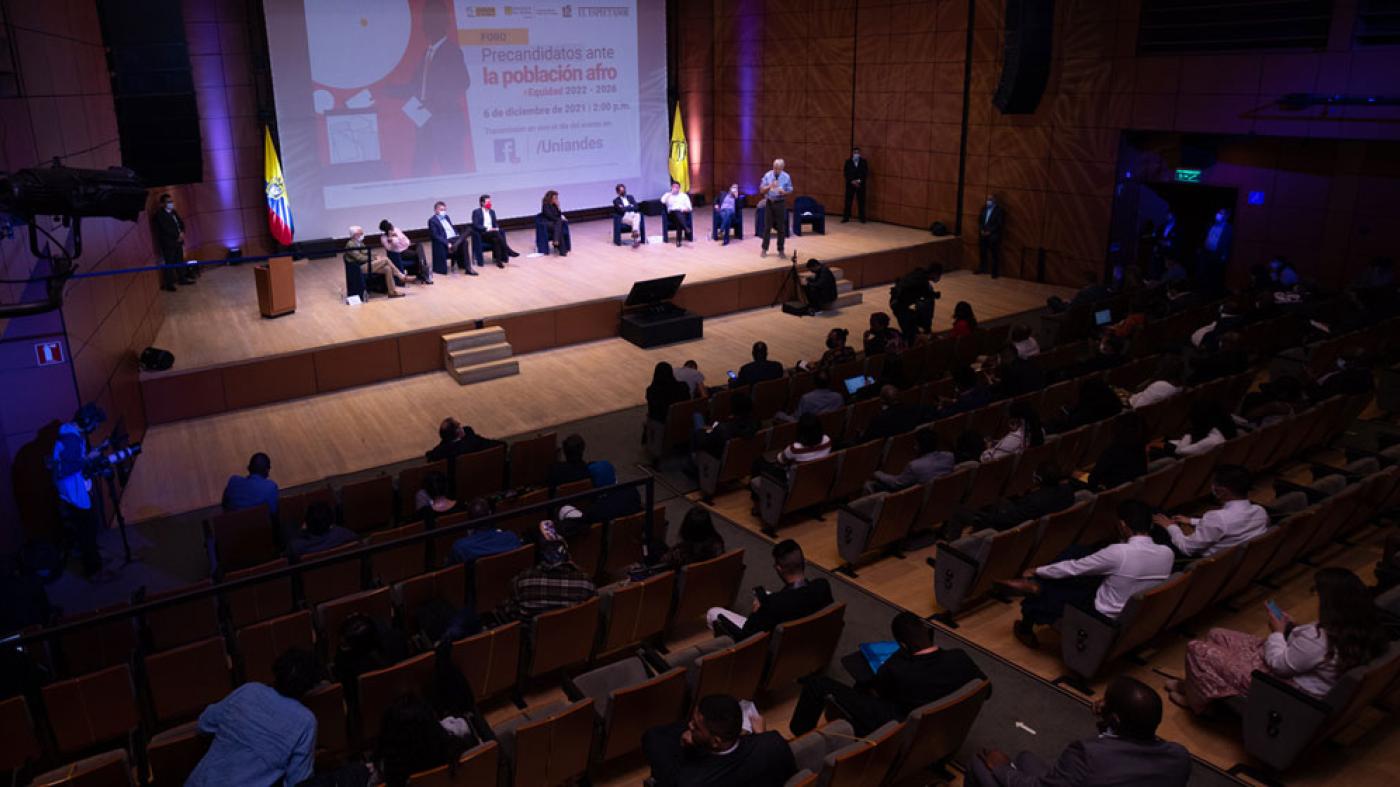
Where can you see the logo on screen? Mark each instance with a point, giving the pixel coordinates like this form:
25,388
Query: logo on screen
505,151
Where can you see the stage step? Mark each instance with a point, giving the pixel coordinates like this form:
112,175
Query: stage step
835,271
474,355
485,371
844,285
474,338
849,299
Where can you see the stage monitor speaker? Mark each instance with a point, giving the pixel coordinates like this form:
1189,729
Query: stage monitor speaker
1025,65
153,90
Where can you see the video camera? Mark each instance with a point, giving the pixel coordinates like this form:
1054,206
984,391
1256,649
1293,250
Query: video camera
105,463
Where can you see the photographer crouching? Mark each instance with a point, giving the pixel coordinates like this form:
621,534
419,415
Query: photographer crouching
74,466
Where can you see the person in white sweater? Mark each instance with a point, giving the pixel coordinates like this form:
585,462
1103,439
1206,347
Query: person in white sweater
1165,384
1312,657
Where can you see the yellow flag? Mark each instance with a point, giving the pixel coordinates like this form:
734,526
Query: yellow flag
680,155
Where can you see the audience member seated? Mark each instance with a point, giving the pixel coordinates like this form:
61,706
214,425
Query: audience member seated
433,498
1166,382
714,749
366,645
1052,492
1210,427
664,391
810,444
971,392
606,506
759,369
1016,375
1024,341
1109,353
1352,377
823,398
968,448
891,373
411,739
1096,402
1132,322
1312,656
1280,397
837,351
699,541
1107,578
1092,292
320,532
554,582
1229,359
740,423
254,489
1126,750
1023,430
931,463
262,735
482,540
1236,521
457,439
798,597
689,373
918,673
1125,457
895,416
880,338
964,321
572,468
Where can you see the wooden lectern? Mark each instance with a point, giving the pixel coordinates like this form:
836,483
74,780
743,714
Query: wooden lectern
277,287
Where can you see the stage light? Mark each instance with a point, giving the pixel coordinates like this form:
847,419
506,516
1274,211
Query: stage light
74,193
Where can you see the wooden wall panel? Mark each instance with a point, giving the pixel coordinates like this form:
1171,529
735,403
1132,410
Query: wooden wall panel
422,352
349,365
710,298
175,397
528,332
586,322
269,380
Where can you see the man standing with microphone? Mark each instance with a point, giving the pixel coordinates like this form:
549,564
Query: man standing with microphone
776,185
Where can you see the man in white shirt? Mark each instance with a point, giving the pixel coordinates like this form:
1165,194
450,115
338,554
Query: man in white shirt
1127,568
1167,383
1235,522
678,210
690,374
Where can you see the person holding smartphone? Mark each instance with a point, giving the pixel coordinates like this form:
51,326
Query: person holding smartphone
798,597
1311,656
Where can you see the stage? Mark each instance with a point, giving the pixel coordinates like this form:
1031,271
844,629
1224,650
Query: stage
228,357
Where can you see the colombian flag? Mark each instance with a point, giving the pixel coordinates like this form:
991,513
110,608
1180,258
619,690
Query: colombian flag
680,157
279,209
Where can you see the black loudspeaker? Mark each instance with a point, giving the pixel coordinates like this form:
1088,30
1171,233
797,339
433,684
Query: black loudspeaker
317,249
153,90
1025,66
938,228
154,359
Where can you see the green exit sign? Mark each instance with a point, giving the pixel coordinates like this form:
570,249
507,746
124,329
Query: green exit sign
1188,176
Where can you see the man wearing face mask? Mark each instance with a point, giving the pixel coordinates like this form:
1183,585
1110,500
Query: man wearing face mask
856,172
170,237
989,226
448,245
728,206
1126,750
713,748
625,206
485,224
1215,253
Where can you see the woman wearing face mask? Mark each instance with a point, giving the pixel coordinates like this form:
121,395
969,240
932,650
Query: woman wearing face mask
395,243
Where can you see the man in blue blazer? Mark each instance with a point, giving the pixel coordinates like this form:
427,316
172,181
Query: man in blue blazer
489,229
447,243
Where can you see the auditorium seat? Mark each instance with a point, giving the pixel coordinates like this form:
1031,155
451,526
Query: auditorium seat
806,211
542,239
291,509
368,504
966,570
718,666
572,488
561,638
840,759
631,613
860,415
19,745
617,228
705,584
935,731
530,458
399,563
410,481
988,482
479,765
586,549
629,699
375,604
733,464
803,647
1157,484
260,644
333,581
379,689
1102,526
182,681
1194,480
769,396
448,584
876,522
490,661
736,225
688,218
480,473
492,575
239,539
1059,530
944,497
327,703
526,518
92,709
1023,477
96,647
661,439
1206,578
108,769
548,746
182,623
625,537
171,756
1088,640
856,465
261,600
810,482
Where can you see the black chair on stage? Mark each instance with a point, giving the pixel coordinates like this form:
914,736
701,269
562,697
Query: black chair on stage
641,226
760,220
357,282
688,218
808,211
736,225
542,238
477,246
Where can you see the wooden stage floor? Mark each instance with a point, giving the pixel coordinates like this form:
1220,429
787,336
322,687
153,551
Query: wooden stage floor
185,464
216,322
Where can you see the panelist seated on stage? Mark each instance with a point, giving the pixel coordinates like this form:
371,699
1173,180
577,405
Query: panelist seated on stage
555,222
628,213
678,210
489,229
448,245
395,243
357,253
727,209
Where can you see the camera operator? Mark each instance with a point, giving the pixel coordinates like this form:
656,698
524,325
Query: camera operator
76,494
